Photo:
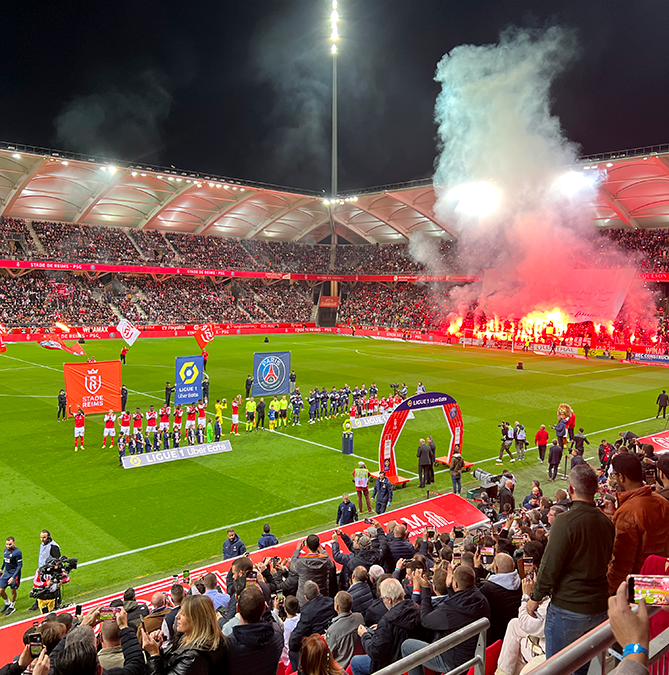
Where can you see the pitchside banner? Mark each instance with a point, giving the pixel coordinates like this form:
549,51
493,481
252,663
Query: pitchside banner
93,387
270,373
188,379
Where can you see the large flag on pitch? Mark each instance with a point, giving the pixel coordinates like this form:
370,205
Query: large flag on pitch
188,379
95,387
270,373
3,346
51,341
128,332
204,334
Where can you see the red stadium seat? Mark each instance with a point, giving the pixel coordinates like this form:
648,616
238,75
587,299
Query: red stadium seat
491,656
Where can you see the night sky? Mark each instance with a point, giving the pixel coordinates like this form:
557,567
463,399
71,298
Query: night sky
242,89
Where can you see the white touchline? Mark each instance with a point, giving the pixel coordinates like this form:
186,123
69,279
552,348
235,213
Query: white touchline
212,531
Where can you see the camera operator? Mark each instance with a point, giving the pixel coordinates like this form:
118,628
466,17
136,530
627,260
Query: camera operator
48,551
48,581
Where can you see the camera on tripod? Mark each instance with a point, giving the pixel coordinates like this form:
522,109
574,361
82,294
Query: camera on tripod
55,570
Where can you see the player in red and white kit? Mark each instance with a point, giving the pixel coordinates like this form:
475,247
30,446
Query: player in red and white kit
191,414
396,401
373,405
110,428
354,411
151,420
235,416
79,422
383,405
178,416
125,423
165,418
137,419
201,414
363,406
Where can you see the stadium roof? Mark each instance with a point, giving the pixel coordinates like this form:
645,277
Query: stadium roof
41,184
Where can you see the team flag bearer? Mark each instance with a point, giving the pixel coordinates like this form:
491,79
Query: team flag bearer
110,429
79,422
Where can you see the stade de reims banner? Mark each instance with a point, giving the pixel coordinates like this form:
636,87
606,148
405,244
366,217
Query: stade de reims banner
441,513
270,373
188,379
93,387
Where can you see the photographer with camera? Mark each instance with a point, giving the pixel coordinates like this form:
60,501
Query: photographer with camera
507,440
48,581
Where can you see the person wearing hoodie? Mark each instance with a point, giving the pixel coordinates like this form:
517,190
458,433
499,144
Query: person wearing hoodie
641,521
136,611
503,592
342,633
383,645
315,565
363,552
315,615
360,590
254,646
457,603
233,546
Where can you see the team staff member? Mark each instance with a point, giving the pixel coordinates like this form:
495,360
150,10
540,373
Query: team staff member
383,492
169,390
62,404
292,378
12,564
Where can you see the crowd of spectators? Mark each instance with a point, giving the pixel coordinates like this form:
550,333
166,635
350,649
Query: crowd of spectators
204,251
405,306
651,245
15,239
286,256
34,300
283,301
155,248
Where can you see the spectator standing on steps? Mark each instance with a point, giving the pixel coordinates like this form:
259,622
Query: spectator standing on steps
62,404
662,403
573,567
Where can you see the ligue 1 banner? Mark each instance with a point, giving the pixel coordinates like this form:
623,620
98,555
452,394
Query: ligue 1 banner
270,373
93,387
188,379
174,454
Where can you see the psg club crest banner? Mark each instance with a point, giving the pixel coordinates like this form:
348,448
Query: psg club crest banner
188,379
270,373
93,387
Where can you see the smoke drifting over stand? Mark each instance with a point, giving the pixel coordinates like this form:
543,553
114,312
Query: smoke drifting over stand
497,137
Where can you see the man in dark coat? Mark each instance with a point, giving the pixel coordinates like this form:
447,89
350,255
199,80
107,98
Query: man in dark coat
503,592
662,403
506,496
363,553
383,492
315,615
424,455
248,384
433,457
383,645
360,590
554,459
458,602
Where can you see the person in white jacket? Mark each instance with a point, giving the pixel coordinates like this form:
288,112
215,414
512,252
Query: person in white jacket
524,638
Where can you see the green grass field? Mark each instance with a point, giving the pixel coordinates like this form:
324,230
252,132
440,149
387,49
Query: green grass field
96,509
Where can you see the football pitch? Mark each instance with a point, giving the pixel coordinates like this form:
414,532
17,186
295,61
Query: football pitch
127,525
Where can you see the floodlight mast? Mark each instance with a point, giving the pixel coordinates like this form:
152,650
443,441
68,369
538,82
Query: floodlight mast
334,38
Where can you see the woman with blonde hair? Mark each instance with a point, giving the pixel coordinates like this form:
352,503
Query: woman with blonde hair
200,647
316,657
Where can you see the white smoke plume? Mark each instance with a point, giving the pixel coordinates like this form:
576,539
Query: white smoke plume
495,126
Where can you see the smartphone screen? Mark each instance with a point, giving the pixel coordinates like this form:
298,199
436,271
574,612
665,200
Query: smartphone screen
528,564
107,613
35,644
457,557
653,589
252,577
78,610
487,554
186,576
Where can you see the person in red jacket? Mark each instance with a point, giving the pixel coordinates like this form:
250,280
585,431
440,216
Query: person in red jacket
541,440
571,423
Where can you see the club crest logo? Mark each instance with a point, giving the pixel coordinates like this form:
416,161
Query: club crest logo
271,373
92,382
189,372
453,413
207,332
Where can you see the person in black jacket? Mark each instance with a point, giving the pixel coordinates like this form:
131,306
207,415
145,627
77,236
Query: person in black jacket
378,608
363,553
360,590
399,547
315,615
62,404
503,591
383,493
457,603
424,454
255,646
506,496
383,645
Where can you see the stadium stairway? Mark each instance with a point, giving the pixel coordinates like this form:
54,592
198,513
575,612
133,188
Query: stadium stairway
38,244
134,243
333,257
168,243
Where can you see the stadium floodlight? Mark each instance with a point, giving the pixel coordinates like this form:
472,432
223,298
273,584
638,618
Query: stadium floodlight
65,162
111,169
474,199
16,155
573,182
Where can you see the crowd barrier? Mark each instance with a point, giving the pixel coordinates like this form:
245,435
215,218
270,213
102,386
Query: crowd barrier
440,513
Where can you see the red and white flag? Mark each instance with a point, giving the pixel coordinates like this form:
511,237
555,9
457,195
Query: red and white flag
51,341
128,332
3,346
204,334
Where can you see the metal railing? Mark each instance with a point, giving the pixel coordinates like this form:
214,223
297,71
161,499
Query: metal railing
593,648
440,646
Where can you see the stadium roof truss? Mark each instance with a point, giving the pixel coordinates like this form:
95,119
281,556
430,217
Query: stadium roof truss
40,184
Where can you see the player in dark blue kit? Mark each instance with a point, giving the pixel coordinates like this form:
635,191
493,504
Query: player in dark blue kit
12,564
373,390
132,445
122,442
297,403
176,437
156,441
139,443
166,440
324,403
343,401
356,395
334,402
313,402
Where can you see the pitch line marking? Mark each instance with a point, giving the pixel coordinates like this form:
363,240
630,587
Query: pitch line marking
212,531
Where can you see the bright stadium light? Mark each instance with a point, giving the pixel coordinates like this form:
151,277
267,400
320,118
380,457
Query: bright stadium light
474,199
572,182
16,155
